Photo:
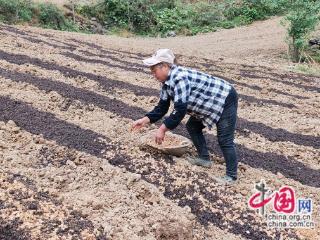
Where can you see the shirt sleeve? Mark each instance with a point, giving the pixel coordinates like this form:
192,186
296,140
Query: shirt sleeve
181,97
159,111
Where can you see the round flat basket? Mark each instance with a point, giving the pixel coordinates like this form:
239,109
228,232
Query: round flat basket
173,144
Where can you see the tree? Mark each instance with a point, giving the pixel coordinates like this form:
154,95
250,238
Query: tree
303,17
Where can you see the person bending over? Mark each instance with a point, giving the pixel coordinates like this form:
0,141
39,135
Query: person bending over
208,100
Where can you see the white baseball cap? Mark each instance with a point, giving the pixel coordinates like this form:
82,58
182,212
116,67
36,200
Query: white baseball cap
162,55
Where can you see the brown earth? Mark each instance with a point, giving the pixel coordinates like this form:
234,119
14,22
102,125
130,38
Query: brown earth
70,169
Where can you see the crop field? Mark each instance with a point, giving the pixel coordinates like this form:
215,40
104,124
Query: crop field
71,169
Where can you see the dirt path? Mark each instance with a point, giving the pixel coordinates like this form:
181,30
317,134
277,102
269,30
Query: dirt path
66,104
259,43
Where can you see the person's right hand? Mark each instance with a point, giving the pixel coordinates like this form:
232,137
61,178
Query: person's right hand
140,123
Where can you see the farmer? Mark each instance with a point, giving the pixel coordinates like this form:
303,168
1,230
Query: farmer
207,99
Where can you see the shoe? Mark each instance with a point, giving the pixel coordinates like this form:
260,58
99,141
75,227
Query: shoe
199,162
225,180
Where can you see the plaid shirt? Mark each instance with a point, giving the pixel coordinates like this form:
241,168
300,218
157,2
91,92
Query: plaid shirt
204,94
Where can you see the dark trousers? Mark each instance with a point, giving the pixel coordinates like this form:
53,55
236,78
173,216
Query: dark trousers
225,132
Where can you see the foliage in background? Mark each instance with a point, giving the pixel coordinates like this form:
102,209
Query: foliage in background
148,17
303,17
137,16
251,10
153,17
43,14
16,10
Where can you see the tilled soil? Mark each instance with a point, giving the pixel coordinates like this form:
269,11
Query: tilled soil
71,168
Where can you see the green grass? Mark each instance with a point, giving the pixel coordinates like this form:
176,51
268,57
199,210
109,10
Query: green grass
313,69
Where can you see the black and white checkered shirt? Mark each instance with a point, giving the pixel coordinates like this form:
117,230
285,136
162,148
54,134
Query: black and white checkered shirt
204,94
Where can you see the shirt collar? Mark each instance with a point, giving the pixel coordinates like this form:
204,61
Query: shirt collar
167,82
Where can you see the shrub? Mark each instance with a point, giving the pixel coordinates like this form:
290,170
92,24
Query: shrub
156,16
251,10
44,14
13,11
303,18
137,15
51,16
173,20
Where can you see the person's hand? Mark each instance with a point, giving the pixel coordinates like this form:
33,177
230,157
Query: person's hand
160,134
140,123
